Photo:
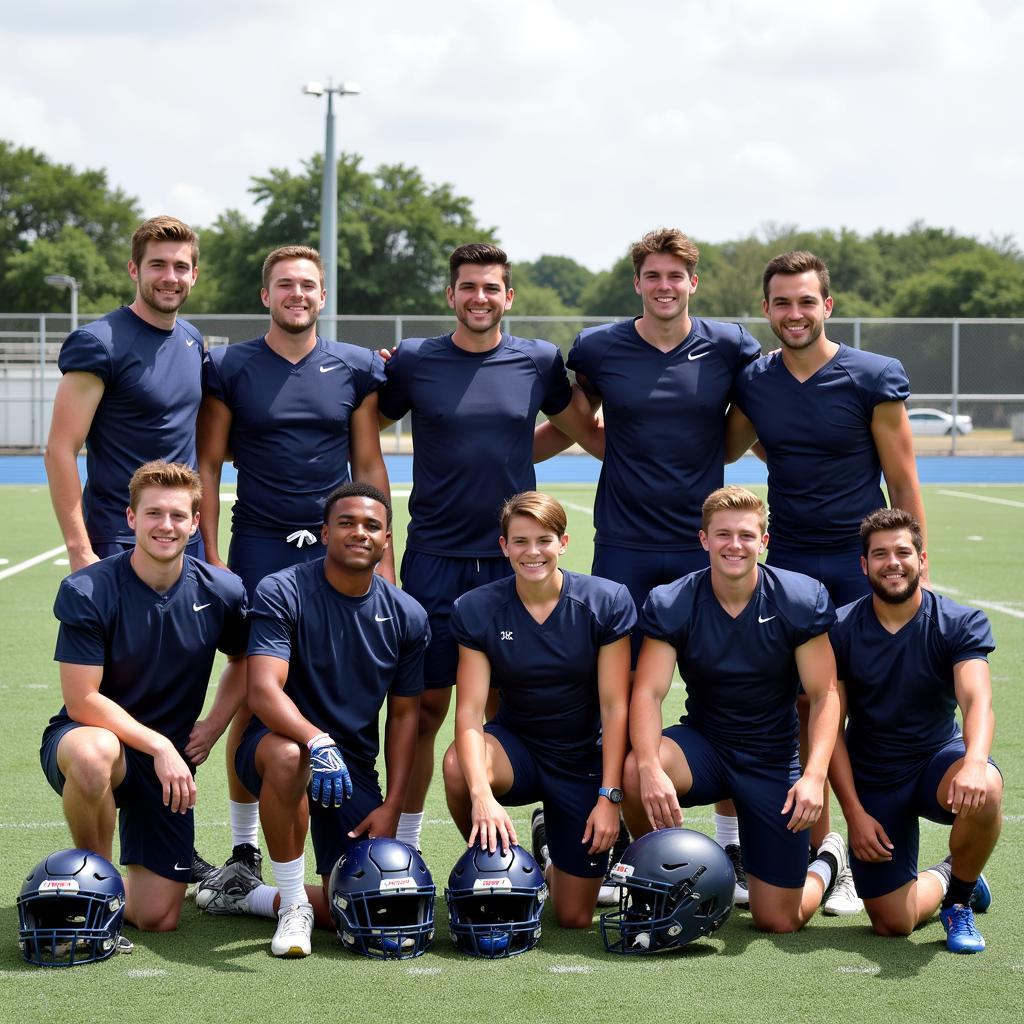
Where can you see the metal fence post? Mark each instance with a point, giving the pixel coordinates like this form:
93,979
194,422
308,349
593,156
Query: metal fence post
955,383
39,412
856,333
398,423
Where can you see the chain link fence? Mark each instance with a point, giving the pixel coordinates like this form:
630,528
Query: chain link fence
959,366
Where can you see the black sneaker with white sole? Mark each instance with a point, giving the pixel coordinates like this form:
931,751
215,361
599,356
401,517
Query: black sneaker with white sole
741,894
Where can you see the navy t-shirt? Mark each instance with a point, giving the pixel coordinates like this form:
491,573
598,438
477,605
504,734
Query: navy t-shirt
901,702
741,674
823,467
152,388
156,650
547,673
289,435
345,655
473,417
664,415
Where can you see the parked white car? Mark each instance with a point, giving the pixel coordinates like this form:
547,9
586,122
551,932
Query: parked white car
935,421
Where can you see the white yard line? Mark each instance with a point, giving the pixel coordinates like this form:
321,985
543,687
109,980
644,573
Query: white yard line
29,562
983,497
992,606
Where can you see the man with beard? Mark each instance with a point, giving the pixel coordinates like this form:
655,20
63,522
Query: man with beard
474,395
294,412
906,659
131,390
831,421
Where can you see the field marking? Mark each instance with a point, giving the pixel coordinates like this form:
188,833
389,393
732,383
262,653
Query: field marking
570,969
983,497
146,972
29,562
992,606
423,970
858,970
578,508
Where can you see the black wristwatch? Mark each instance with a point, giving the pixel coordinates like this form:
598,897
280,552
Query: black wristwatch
613,794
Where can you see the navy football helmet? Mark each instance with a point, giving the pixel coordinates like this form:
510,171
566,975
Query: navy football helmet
495,901
382,900
676,885
70,910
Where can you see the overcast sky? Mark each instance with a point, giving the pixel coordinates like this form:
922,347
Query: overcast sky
573,126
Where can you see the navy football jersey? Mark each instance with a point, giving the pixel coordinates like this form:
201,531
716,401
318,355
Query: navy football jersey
901,703
741,675
156,650
290,426
152,388
823,468
473,417
664,415
547,673
345,654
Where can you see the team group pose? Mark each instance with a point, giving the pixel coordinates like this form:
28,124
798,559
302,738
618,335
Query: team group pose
560,689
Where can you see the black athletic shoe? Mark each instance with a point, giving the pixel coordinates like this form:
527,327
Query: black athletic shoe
201,869
741,895
250,856
539,839
608,894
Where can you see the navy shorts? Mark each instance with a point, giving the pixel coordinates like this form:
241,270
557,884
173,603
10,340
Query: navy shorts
840,571
898,809
328,826
568,793
641,571
436,581
251,557
758,786
152,836
114,547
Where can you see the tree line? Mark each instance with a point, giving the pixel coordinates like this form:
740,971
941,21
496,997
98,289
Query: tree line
395,230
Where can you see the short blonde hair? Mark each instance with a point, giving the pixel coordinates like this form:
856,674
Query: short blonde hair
733,499
665,240
540,507
172,475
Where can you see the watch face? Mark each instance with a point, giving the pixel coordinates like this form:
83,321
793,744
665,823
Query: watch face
615,795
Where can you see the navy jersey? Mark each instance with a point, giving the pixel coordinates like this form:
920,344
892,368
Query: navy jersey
152,388
900,699
823,466
290,426
547,673
741,675
345,654
156,650
473,416
664,416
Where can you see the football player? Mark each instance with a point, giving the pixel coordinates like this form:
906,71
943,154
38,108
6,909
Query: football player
906,659
332,642
556,645
138,635
474,395
293,411
744,637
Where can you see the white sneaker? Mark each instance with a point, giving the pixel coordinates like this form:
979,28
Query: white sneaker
228,889
294,929
843,901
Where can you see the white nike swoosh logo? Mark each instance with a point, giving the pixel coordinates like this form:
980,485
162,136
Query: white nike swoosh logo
327,369
699,355
769,619
200,607
377,618
190,342
178,867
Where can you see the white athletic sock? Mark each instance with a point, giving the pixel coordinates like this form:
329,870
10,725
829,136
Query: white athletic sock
410,826
245,823
290,876
727,830
942,873
823,870
261,901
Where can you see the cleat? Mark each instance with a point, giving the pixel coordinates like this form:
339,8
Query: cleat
981,898
843,901
608,894
834,844
250,856
539,839
201,869
125,945
294,930
741,895
962,935
227,890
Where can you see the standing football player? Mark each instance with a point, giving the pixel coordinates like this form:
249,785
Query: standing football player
138,635
556,645
744,636
907,658
332,642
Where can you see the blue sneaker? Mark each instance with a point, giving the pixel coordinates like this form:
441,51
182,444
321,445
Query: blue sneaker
981,898
961,934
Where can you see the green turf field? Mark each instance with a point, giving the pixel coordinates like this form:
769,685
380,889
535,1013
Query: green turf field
220,969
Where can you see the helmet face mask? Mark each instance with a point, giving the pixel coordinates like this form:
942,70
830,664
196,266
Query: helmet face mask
70,910
676,886
495,902
382,900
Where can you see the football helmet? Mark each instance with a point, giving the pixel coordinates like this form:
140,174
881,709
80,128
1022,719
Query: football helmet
382,900
676,885
70,910
495,902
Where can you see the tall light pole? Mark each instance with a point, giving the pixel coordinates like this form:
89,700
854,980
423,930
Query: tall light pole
67,281
329,198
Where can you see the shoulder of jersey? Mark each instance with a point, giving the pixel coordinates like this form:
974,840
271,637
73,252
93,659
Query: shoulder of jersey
223,581
605,333
529,345
190,330
849,612
236,354
347,352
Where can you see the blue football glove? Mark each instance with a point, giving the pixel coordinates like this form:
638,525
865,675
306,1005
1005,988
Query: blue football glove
331,781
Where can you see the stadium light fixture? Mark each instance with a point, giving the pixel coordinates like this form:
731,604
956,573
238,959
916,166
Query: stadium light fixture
329,197
72,284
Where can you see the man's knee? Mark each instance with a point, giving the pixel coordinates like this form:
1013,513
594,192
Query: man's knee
433,711
89,759
454,780
283,764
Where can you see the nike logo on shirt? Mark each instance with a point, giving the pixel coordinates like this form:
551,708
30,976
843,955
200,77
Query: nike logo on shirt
379,618
699,355
190,342
769,619
327,369
200,607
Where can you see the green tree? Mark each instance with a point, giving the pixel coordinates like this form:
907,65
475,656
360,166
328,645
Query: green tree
611,292
971,284
567,278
